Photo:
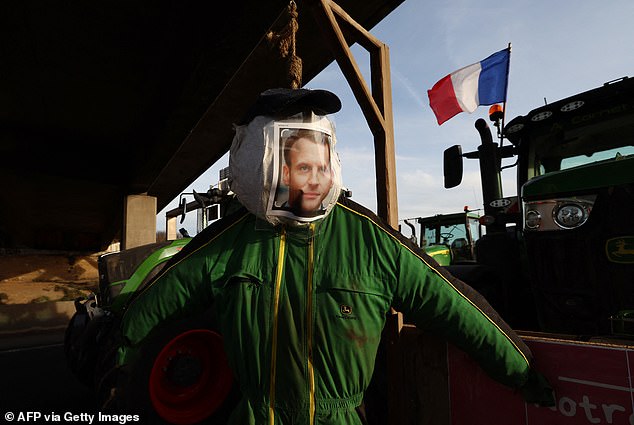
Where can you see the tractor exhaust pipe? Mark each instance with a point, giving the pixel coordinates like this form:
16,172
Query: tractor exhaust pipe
489,172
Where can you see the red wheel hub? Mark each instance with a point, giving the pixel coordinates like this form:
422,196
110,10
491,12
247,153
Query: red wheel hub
190,377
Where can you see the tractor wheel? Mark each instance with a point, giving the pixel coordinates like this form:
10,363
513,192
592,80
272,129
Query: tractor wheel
81,347
72,337
181,377
105,375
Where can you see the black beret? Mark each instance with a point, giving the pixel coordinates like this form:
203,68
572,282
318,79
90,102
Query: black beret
287,102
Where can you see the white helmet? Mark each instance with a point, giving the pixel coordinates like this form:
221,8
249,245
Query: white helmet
283,164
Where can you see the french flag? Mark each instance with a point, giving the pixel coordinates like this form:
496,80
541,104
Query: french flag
482,83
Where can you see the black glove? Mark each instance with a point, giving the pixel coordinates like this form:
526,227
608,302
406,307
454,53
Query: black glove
537,390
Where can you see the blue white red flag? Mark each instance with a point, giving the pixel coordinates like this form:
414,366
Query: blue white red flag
482,83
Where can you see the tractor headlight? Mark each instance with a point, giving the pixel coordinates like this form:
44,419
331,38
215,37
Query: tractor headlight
532,219
570,215
557,214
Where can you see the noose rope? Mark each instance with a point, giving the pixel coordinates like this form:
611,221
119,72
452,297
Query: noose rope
285,39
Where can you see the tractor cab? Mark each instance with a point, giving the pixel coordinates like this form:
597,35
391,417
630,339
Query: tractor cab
450,238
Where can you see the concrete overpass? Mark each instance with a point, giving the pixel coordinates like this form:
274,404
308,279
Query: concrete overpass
111,107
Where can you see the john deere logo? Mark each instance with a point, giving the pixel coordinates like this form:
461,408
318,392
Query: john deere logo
346,310
620,250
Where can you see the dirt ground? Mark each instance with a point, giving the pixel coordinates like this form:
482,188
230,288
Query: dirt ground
38,292
26,279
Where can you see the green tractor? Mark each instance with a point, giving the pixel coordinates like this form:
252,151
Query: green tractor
121,275
564,247
448,238
563,252
184,377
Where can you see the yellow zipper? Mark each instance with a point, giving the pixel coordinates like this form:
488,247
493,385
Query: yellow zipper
309,323
276,304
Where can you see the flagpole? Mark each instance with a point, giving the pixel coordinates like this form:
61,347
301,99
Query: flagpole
506,95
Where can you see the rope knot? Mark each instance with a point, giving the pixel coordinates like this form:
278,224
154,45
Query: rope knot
285,40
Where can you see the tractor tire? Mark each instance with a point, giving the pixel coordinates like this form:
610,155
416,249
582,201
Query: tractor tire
105,370
72,346
81,346
181,377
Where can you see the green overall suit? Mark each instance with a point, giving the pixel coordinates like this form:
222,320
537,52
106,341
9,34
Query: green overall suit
302,310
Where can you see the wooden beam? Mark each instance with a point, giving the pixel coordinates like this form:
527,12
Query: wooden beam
418,384
328,23
384,149
367,40
376,104
229,105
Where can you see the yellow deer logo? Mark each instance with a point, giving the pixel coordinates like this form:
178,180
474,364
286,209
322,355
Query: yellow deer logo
620,250
345,309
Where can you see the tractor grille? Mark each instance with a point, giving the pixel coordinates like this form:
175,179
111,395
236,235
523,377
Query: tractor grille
578,288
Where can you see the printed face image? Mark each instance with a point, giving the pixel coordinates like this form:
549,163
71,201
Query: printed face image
306,172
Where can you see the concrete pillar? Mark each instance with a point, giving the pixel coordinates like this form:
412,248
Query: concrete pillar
170,228
139,221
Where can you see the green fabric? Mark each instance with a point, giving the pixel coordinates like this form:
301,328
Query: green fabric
360,270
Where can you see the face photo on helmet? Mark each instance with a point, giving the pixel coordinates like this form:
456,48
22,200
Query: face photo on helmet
304,174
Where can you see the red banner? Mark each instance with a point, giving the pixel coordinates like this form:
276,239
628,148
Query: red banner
592,383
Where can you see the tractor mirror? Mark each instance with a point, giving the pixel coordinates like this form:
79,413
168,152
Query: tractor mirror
183,207
452,166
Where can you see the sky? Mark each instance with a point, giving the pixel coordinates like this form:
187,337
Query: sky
559,48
